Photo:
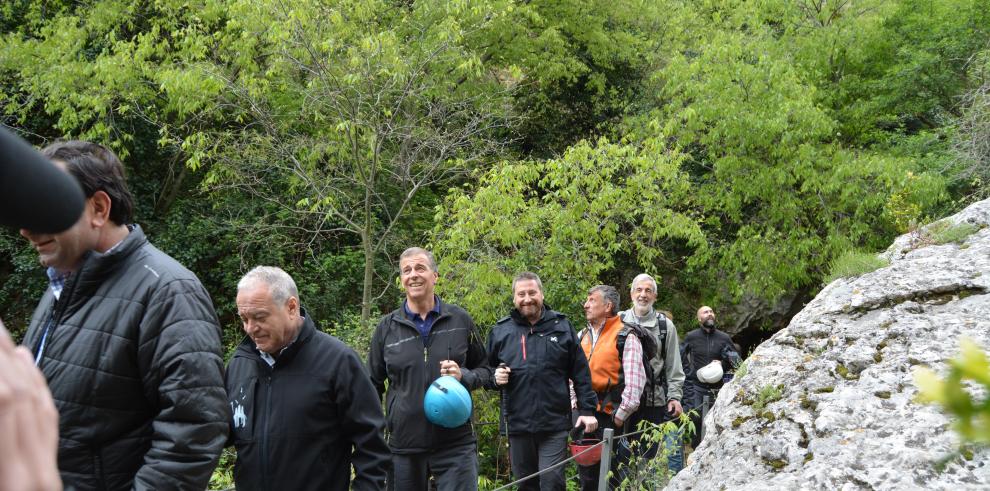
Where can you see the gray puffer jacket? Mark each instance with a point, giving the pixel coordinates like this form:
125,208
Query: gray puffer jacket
133,360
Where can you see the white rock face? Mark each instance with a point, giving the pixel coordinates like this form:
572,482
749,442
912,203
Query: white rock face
846,418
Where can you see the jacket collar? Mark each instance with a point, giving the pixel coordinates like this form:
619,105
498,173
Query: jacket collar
306,331
399,314
96,266
547,315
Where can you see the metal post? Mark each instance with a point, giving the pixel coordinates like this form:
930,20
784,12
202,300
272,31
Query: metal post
704,412
606,461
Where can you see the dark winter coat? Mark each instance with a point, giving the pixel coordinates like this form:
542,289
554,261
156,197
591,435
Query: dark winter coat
133,362
400,356
541,358
303,423
700,347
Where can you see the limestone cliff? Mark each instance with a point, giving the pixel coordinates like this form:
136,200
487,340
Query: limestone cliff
827,402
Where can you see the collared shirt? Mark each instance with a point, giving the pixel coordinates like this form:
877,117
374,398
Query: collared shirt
634,376
423,324
56,280
269,359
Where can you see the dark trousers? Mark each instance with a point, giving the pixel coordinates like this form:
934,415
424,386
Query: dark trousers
533,452
455,469
589,475
694,399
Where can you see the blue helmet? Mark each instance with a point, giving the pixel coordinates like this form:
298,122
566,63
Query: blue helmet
447,403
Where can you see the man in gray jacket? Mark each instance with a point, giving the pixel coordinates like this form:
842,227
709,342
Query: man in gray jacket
662,395
129,344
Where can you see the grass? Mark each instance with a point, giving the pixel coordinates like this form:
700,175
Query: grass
854,263
944,232
768,394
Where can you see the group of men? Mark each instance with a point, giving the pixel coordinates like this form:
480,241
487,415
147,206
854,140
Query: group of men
130,346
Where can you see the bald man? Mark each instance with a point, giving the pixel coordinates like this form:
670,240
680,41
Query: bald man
701,347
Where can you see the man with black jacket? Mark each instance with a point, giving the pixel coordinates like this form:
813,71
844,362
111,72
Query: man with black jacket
412,346
701,347
304,409
538,354
129,344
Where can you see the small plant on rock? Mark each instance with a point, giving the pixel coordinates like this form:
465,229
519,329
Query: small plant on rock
854,263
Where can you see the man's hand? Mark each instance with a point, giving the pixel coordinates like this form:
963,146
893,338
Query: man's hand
28,423
502,375
589,422
450,367
618,422
674,408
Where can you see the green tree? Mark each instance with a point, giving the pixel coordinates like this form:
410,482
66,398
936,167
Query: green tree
567,219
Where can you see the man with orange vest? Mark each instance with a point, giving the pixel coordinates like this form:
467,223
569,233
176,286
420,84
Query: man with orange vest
617,378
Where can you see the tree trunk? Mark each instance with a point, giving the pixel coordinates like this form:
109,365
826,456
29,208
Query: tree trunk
369,269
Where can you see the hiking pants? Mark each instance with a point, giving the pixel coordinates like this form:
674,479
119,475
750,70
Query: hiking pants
532,452
454,469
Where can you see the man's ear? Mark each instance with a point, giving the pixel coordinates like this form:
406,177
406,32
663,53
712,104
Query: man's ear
101,204
293,304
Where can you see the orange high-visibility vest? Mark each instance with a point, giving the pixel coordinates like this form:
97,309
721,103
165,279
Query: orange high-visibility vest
603,360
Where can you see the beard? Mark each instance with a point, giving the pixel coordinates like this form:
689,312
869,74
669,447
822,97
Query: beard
709,324
642,309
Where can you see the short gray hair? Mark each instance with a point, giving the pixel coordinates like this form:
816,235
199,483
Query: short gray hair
416,251
609,294
640,278
524,276
280,285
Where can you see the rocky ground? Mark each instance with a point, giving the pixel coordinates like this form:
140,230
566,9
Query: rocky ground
828,402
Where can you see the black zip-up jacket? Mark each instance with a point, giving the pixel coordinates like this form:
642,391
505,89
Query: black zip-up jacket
702,346
542,358
303,423
133,361
399,355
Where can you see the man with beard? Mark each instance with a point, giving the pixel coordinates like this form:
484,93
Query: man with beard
537,352
662,394
701,347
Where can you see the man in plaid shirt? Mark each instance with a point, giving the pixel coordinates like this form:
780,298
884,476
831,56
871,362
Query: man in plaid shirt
617,377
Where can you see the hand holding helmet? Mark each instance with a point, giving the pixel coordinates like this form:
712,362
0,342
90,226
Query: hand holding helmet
450,368
711,373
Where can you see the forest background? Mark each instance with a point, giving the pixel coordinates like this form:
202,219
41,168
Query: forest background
737,150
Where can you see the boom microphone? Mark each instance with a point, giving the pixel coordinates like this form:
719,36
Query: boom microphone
34,194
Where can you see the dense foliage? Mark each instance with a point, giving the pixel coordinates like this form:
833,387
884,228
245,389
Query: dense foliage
731,148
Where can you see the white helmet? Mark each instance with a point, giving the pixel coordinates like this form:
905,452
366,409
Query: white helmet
711,373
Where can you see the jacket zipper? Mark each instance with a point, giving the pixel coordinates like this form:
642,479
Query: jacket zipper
523,342
264,426
98,467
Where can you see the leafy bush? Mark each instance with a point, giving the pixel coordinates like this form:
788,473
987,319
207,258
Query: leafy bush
646,474
970,409
223,476
854,263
